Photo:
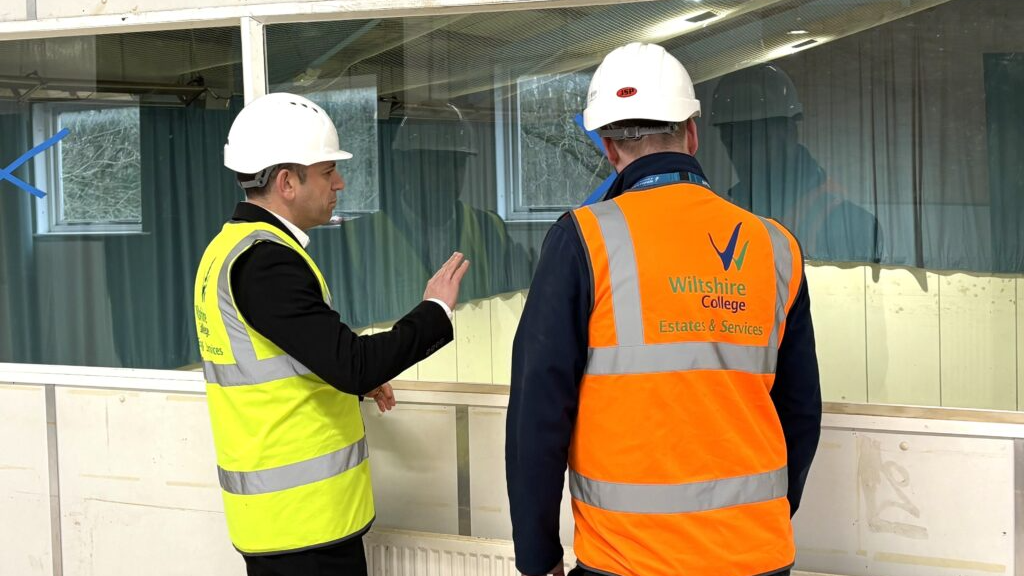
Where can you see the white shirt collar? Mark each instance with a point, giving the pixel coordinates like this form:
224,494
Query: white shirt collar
301,236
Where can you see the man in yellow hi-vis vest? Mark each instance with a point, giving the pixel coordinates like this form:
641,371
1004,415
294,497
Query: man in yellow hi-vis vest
283,372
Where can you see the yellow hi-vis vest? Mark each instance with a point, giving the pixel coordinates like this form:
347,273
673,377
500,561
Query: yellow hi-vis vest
291,452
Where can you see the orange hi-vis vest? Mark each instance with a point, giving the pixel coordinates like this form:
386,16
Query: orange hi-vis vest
678,461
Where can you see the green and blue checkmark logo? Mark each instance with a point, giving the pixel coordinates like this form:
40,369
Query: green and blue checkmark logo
730,249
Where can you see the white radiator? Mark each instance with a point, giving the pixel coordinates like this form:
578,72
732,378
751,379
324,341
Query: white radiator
405,553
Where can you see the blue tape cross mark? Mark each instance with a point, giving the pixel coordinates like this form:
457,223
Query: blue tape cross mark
7,173
603,187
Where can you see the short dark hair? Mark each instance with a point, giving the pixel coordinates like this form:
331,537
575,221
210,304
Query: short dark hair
650,143
254,193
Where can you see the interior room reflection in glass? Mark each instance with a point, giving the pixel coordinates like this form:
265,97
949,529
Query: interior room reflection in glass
885,133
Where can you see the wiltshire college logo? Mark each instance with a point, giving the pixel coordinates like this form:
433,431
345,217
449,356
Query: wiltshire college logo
727,255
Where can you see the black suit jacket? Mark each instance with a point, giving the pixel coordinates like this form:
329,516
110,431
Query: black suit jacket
279,296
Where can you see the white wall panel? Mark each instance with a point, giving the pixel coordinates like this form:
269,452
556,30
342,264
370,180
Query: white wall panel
506,310
139,495
473,341
488,491
139,489
837,310
413,462
488,494
25,542
1020,343
13,10
908,505
903,338
978,335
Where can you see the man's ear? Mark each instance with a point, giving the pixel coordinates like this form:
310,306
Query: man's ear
283,183
691,137
611,151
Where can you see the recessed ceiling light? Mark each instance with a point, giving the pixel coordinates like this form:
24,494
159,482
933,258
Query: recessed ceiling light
681,24
794,32
701,17
805,43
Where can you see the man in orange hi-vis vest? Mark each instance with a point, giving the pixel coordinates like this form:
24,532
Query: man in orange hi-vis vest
665,355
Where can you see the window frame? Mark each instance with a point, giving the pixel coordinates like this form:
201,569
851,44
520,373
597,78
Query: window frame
509,147
364,81
49,176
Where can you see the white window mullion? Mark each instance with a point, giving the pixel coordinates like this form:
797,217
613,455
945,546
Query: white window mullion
42,167
254,58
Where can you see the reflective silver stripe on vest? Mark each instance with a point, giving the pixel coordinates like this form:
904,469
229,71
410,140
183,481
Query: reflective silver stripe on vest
633,356
258,372
247,369
297,474
681,356
622,269
679,498
783,274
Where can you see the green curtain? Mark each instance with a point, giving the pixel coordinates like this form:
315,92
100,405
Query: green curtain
377,266
1004,85
19,341
432,202
187,195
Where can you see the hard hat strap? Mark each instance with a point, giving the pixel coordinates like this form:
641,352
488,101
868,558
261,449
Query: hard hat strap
637,132
260,179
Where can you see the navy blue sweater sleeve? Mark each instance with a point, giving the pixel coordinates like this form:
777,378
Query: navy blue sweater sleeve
549,354
797,393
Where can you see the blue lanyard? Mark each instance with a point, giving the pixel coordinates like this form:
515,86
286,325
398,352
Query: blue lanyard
648,182
670,178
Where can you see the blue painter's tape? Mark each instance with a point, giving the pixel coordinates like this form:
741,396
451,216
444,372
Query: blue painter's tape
603,187
7,173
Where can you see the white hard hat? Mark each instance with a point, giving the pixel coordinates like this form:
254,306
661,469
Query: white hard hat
640,82
277,129
440,128
755,93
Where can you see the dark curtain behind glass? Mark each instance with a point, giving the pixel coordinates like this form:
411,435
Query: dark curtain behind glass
187,195
376,265
433,202
19,340
1004,106
896,145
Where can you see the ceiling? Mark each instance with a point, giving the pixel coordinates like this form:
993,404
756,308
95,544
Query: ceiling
433,58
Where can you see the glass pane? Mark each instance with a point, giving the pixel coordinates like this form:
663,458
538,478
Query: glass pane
557,161
103,146
880,132
884,133
147,115
352,102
